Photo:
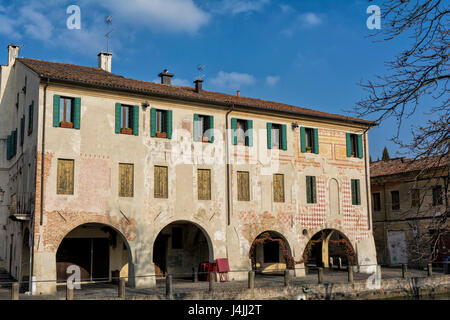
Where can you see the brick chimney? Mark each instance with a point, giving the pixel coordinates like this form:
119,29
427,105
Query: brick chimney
104,61
13,53
198,85
165,77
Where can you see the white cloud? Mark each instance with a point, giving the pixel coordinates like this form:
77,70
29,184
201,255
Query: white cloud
8,27
35,24
232,80
272,80
303,21
173,15
239,6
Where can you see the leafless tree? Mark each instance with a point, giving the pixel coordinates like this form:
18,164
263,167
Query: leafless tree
419,72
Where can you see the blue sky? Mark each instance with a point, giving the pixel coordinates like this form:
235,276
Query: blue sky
307,53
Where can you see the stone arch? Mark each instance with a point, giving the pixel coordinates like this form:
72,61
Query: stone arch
317,249
267,243
180,247
126,227
95,245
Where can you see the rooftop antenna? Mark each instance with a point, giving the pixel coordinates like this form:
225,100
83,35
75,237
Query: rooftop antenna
200,74
108,22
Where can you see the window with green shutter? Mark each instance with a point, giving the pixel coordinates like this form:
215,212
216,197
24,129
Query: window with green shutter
22,130
354,145
242,132
161,123
311,193
356,192
30,117
309,140
66,112
203,128
276,136
127,119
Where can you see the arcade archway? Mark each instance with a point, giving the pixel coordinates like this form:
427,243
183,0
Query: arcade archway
270,253
100,251
180,248
326,244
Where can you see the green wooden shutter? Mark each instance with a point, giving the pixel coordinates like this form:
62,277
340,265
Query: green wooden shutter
211,128
196,133
234,131
153,122
358,192
249,136
56,99
360,146
283,137
308,189
77,113
313,190
22,130
118,116
14,135
349,145
30,120
316,141
354,198
302,139
269,135
8,147
169,124
136,120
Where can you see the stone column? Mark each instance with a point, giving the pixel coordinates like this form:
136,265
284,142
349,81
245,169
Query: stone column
44,268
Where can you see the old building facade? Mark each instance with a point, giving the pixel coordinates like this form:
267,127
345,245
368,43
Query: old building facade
410,210
130,178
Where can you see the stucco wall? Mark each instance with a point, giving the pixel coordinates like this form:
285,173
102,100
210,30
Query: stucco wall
97,151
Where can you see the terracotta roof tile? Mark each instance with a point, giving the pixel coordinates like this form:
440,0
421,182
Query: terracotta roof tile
405,165
97,77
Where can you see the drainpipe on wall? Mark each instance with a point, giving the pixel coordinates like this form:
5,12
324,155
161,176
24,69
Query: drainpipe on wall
228,165
367,178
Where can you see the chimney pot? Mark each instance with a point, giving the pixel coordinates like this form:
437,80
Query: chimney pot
104,61
238,93
198,85
166,77
13,53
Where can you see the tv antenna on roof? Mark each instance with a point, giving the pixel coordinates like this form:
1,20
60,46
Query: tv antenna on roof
108,22
200,74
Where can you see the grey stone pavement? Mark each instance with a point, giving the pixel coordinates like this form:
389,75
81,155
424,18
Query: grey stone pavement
108,290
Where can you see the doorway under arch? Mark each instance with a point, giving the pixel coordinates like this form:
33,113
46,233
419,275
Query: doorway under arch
326,244
270,253
180,248
100,251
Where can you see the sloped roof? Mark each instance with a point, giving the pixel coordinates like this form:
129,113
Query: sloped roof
97,77
406,165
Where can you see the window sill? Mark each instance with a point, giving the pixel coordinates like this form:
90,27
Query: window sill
126,131
161,135
63,124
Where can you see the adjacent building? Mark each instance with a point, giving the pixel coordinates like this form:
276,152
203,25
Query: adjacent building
410,210
129,178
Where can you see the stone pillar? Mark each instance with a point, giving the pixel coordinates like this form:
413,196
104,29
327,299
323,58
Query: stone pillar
44,268
367,256
142,267
325,259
